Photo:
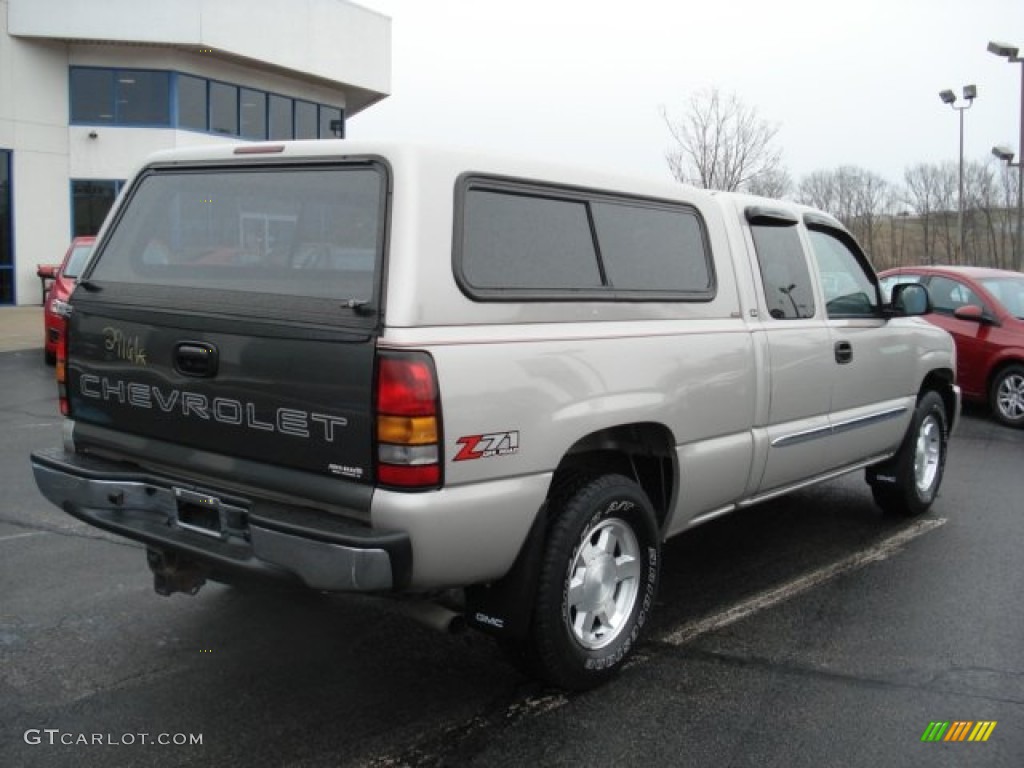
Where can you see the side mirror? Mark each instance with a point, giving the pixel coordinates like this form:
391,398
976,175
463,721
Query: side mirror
971,312
910,300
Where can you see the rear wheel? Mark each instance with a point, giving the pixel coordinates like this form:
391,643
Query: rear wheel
597,584
908,483
1007,396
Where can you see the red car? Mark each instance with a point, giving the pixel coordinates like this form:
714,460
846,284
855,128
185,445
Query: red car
983,309
63,283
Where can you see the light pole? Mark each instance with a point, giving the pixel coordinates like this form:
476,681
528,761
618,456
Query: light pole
1006,155
1010,52
948,97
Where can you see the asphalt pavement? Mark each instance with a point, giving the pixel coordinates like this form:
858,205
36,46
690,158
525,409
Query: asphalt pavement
807,631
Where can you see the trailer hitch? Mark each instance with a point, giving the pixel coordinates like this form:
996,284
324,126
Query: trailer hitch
174,573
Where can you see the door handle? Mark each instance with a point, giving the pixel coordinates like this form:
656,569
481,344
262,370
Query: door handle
844,352
196,358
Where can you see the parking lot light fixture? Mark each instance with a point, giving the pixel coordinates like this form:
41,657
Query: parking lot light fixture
1005,154
948,97
1012,54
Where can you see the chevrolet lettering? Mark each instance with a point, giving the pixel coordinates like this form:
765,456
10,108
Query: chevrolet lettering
223,410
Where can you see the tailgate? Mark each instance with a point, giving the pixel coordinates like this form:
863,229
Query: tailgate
233,309
276,394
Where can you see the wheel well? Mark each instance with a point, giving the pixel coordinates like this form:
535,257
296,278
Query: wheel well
998,369
644,452
941,381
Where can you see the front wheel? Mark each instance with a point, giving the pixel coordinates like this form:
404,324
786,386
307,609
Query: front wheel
597,583
1007,396
908,483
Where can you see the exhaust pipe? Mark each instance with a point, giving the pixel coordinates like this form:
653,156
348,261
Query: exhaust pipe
433,616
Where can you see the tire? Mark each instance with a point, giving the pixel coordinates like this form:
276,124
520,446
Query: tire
1007,396
50,358
598,579
908,483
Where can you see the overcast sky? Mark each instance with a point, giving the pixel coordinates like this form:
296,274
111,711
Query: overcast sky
583,81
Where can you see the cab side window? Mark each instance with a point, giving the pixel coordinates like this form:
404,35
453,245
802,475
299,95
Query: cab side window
788,291
849,289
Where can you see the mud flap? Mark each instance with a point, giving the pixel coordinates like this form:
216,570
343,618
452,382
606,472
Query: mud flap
504,608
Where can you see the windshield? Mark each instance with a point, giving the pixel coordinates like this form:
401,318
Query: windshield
1009,291
310,232
79,256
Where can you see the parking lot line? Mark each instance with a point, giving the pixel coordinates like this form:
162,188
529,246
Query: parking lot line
880,551
21,535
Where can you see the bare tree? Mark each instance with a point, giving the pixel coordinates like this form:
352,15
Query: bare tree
775,182
871,196
819,190
922,195
721,143
855,196
1007,185
917,223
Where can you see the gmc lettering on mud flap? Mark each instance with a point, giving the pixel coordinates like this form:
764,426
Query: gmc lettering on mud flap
486,446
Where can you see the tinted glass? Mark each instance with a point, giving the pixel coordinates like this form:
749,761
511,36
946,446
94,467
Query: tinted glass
143,98
949,295
651,249
848,289
280,118
192,111
77,260
6,241
313,233
518,242
1010,293
305,120
92,200
788,291
223,108
92,95
253,114
331,125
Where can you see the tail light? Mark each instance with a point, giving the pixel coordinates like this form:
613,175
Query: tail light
62,310
408,422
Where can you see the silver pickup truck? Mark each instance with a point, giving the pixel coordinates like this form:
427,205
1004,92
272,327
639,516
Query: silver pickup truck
396,369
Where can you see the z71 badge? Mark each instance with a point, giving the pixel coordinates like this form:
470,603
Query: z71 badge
486,446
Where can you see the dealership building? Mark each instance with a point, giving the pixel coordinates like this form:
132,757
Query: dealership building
89,89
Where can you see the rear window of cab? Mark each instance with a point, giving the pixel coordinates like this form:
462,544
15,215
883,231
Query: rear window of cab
517,240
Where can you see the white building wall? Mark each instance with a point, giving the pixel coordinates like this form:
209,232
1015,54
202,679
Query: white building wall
330,39
33,123
325,51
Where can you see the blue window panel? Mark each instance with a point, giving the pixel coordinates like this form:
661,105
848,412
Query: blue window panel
332,125
143,97
6,230
305,120
252,114
223,108
92,95
281,125
193,104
